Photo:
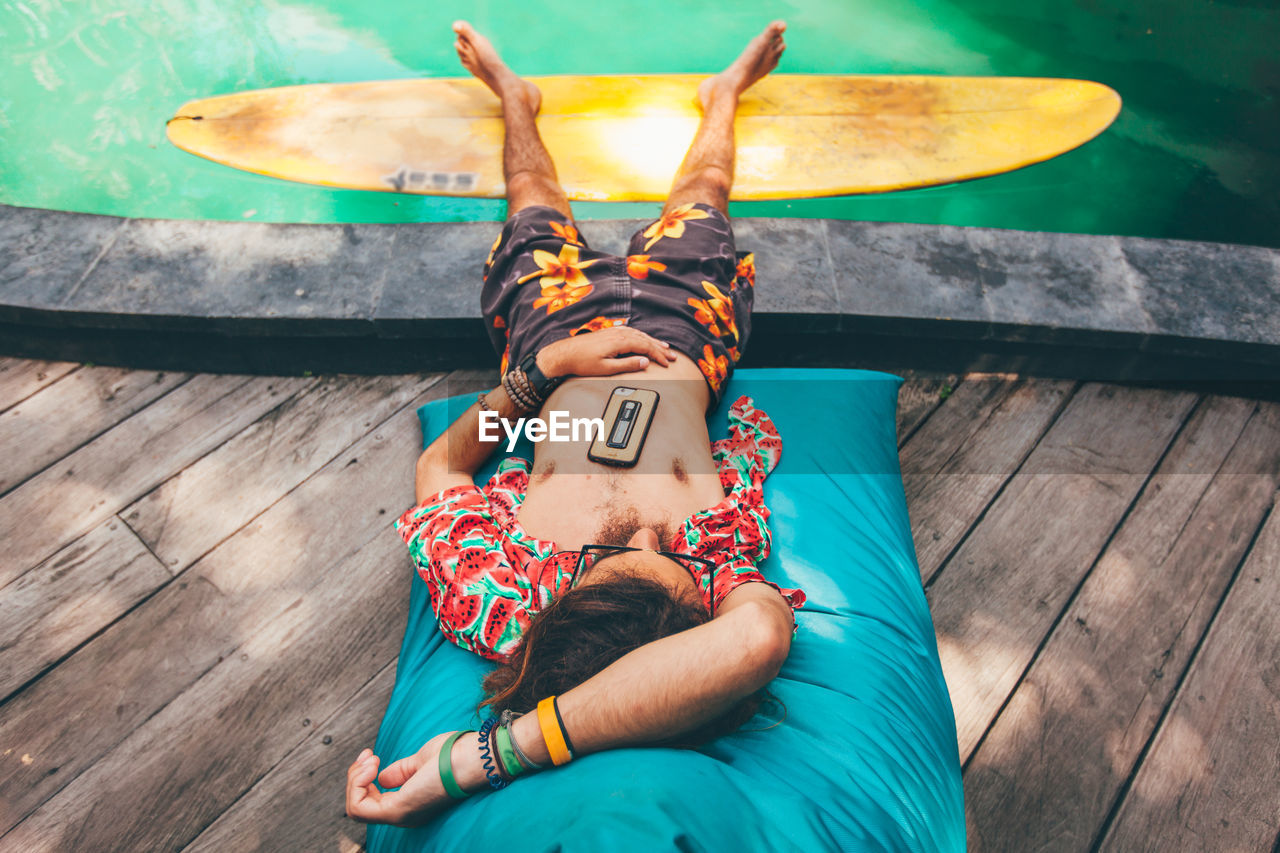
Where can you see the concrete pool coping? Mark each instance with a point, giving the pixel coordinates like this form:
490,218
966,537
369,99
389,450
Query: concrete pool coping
272,298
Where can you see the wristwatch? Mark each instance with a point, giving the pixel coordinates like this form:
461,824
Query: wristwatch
542,384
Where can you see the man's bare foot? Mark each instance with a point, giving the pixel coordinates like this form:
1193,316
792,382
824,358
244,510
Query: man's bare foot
479,56
758,59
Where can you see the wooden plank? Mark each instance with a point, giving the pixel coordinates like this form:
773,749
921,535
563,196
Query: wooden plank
299,804
956,463
54,422
995,599
70,597
919,397
1211,779
93,699
189,514
22,377
208,746
80,491
1048,772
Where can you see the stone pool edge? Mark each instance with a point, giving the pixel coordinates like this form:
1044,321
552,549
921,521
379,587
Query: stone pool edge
373,298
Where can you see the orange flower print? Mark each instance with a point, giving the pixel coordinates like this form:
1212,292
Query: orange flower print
672,224
723,308
747,270
595,324
705,315
713,366
563,269
498,322
556,298
734,356
493,250
506,358
716,313
638,266
566,232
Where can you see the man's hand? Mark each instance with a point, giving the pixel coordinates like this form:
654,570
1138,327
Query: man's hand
420,798
618,349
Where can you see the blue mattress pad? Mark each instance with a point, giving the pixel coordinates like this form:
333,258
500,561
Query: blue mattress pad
865,757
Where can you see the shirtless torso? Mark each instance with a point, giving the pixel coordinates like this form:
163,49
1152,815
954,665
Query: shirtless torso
574,502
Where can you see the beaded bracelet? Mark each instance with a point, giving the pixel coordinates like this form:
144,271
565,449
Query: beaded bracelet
510,389
529,388
526,385
517,396
525,388
506,386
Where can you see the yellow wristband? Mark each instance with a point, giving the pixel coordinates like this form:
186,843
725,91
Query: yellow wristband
551,732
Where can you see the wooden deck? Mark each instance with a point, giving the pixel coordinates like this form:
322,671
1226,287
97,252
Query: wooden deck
201,603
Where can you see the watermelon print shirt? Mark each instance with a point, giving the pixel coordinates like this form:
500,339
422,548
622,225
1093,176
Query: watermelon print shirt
488,577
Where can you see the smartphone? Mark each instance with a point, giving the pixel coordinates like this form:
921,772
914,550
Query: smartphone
627,416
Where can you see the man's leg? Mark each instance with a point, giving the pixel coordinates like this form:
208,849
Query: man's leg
527,167
706,175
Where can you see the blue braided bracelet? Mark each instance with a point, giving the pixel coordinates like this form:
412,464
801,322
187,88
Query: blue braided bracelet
496,782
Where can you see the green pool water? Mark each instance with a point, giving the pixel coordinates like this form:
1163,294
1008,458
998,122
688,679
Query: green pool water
86,86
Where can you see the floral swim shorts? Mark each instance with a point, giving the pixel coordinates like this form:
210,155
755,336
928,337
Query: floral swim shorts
681,282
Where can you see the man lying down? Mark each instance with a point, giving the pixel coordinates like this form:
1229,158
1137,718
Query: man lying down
622,604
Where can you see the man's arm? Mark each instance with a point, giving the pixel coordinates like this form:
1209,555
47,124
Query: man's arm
457,453
675,684
661,689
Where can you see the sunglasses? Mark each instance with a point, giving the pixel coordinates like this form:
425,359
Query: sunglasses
588,555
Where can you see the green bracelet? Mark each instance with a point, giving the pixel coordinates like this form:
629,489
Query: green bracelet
451,786
510,762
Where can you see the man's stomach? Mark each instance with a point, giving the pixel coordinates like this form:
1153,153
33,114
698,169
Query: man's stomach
573,501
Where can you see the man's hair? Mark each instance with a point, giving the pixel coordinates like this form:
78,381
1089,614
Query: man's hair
590,627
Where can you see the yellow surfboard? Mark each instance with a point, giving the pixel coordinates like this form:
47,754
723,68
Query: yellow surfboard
622,138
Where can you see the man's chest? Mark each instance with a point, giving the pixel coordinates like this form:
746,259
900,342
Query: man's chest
606,508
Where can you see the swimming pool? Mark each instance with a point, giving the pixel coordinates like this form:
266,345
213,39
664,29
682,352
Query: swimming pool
85,89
